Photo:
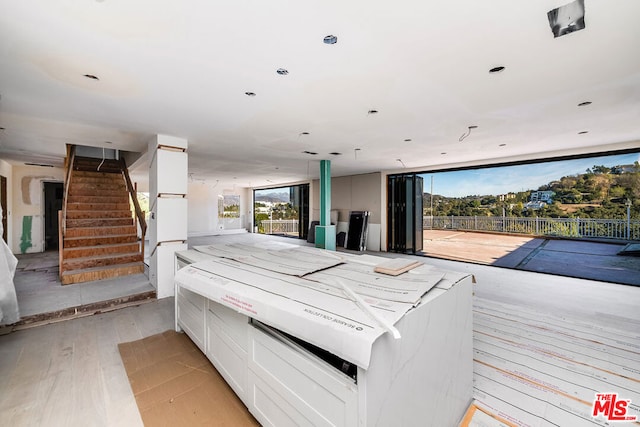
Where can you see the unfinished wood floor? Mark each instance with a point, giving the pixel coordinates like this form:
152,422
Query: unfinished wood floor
70,373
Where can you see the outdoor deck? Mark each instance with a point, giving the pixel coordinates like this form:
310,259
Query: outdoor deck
573,258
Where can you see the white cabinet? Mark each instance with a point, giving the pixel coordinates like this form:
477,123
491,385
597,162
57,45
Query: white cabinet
190,315
288,386
423,378
227,339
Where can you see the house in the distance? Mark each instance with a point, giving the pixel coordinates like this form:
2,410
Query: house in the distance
539,199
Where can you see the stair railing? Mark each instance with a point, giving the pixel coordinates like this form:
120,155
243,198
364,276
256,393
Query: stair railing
62,215
136,204
71,157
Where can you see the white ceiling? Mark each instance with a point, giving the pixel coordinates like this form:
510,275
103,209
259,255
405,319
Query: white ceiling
182,68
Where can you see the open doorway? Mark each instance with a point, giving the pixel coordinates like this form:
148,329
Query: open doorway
575,216
53,194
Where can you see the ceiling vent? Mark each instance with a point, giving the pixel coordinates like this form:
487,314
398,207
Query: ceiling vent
567,19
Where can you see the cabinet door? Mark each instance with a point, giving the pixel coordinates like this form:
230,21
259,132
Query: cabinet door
190,315
227,345
290,386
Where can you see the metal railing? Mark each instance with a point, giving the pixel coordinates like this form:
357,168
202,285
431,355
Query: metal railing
279,226
622,229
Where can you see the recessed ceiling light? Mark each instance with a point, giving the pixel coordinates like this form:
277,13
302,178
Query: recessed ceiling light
357,149
407,140
496,69
502,145
372,112
304,133
331,39
282,71
443,153
335,153
1,128
108,142
91,76
585,103
313,153
250,93
583,132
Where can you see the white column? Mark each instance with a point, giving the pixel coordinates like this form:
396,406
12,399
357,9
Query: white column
167,228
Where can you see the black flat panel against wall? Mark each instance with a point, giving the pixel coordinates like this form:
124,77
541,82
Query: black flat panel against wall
303,211
404,213
357,236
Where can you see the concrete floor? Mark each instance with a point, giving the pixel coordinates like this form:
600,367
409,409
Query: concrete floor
571,258
40,292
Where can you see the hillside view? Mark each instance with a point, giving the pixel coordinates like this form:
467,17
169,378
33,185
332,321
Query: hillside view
599,192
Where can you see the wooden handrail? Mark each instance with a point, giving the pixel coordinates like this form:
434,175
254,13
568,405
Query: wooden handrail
62,214
136,205
71,156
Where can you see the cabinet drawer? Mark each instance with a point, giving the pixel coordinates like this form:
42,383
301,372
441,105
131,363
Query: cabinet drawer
282,372
234,324
190,315
226,347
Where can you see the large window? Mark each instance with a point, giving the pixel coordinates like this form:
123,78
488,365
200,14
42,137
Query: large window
282,211
596,188
577,217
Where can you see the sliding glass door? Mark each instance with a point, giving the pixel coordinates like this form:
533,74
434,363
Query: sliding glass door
282,211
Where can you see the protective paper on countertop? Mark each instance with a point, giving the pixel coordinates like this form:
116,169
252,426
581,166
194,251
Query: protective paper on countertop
319,312
295,261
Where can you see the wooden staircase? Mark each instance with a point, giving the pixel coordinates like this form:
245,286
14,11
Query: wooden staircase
98,231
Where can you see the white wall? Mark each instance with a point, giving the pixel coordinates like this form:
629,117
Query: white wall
203,208
27,210
6,170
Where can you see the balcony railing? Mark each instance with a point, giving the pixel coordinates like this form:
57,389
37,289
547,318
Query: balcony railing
621,229
280,226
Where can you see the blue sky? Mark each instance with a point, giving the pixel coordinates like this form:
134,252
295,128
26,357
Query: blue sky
501,180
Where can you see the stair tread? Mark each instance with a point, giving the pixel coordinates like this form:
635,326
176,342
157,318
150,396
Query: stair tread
96,203
108,245
103,268
103,256
99,237
102,226
78,211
